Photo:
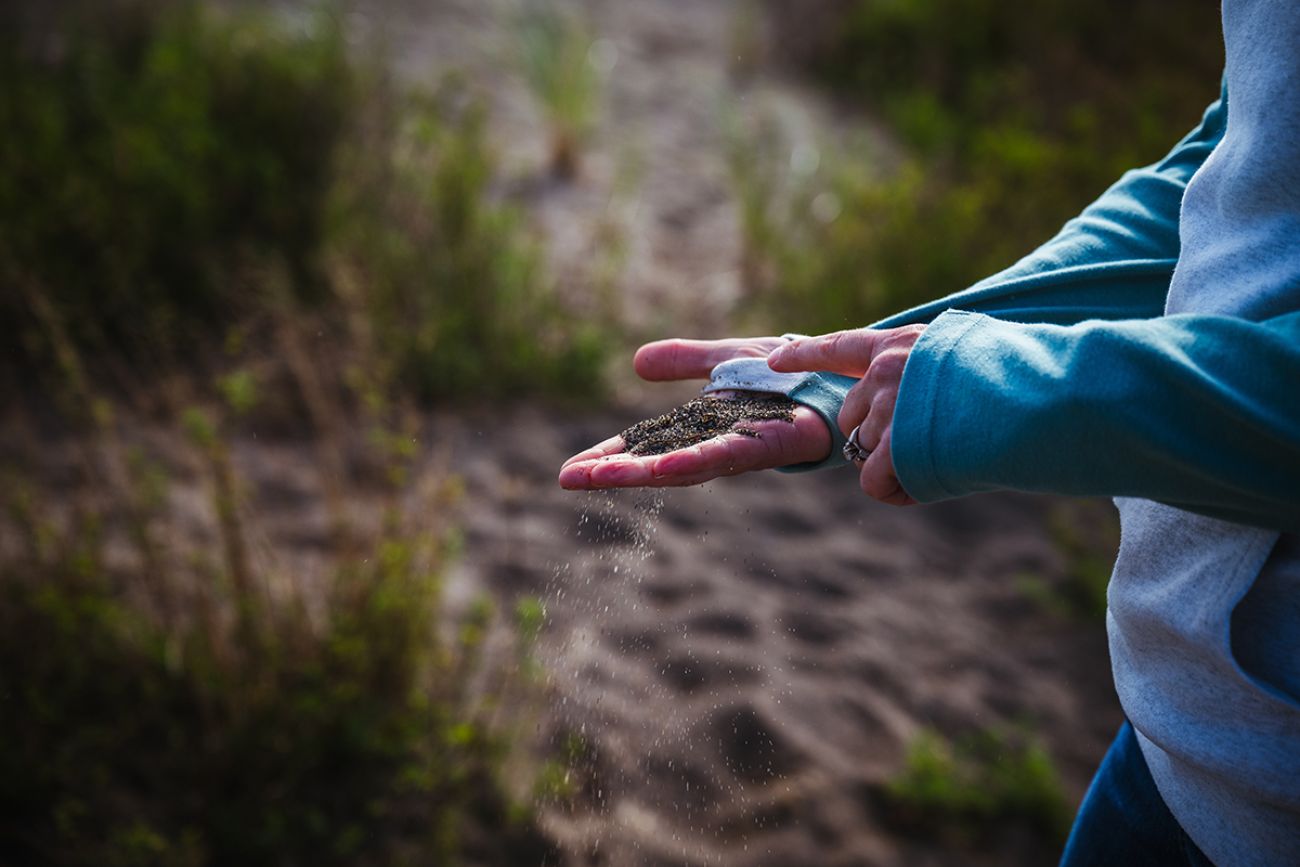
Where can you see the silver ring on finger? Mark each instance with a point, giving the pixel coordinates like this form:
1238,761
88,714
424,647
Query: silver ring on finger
853,450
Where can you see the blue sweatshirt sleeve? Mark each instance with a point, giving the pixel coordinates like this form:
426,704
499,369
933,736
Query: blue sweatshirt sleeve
1113,261
1170,409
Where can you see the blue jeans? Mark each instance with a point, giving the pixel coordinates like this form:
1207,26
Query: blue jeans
1123,820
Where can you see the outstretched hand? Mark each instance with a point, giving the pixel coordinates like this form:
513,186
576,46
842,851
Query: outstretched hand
778,443
877,357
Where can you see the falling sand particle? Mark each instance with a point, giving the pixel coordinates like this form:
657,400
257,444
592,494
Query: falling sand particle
702,419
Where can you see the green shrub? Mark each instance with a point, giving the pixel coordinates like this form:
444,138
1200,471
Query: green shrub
453,286
1121,81
846,245
987,779
1013,119
173,174
555,54
161,704
152,153
1086,535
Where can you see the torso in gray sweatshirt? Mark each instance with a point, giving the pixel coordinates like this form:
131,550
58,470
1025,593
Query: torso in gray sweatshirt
1204,614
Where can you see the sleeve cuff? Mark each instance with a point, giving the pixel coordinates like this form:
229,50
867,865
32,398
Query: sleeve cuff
919,425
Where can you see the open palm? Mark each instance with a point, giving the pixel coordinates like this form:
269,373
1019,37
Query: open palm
778,443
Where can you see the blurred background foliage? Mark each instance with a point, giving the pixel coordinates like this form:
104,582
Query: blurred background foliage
197,195
217,173
977,786
154,152
163,709
219,196
170,173
556,59
452,291
1009,119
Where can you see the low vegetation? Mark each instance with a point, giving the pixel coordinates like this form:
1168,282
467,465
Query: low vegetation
176,692
223,223
1010,120
155,156
559,60
1085,534
990,779
448,288
175,181
839,243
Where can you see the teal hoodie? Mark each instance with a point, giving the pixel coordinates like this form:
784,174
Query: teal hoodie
1063,374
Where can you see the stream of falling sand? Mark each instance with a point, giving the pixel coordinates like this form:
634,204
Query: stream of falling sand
630,727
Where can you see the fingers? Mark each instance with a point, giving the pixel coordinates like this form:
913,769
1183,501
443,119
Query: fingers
879,417
855,407
846,352
694,359
722,456
778,443
611,446
877,477
869,404
727,455
852,353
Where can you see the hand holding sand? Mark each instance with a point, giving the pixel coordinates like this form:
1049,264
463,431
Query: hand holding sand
745,446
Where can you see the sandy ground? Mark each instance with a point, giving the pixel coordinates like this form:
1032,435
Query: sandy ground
746,661
743,663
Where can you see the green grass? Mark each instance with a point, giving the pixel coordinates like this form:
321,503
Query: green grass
176,180
153,154
194,701
195,197
1085,534
847,244
555,57
452,283
989,779
1118,76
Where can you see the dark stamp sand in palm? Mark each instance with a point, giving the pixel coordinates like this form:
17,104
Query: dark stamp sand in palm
705,418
